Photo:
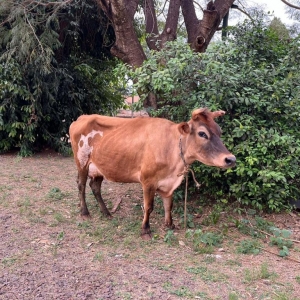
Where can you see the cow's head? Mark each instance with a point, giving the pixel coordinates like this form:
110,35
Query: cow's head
203,142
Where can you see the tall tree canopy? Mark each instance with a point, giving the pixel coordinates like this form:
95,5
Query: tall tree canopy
199,32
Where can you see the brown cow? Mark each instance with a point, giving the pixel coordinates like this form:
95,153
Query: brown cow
151,151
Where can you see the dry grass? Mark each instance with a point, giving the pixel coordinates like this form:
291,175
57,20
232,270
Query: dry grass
48,252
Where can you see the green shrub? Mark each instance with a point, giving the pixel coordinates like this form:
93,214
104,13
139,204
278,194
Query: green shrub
255,78
53,68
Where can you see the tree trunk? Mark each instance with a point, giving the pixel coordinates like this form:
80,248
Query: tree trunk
127,46
200,32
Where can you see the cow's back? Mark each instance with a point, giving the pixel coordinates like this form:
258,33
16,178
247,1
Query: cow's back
121,149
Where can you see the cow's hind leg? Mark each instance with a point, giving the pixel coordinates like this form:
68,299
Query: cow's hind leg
81,183
95,185
149,193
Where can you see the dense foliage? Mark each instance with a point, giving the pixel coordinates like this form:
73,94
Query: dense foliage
254,77
54,65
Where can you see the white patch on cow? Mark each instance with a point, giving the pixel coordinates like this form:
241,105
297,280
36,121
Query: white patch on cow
93,171
84,149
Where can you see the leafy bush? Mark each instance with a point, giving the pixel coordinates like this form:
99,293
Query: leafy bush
54,66
254,77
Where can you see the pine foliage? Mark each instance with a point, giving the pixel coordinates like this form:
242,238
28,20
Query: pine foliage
54,66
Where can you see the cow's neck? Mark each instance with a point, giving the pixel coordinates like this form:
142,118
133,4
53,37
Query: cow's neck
181,152
187,168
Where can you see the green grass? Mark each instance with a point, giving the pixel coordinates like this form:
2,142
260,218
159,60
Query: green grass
263,272
206,274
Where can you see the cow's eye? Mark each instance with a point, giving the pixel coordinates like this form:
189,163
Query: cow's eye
202,134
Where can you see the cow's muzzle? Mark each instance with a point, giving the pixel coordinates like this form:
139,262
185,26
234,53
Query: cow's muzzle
230,161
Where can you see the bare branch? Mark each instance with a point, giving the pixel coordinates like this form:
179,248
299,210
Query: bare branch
244,12
290,4
33,30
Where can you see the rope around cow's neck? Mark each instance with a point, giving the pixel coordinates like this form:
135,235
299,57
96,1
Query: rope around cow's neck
185,173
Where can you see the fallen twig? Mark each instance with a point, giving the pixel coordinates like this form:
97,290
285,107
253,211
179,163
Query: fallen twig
116,205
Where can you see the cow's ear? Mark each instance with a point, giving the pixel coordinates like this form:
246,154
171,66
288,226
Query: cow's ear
200,114
218,113
184,128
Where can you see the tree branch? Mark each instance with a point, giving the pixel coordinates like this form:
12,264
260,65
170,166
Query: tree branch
127,46
190,19
290,4
170,30
151,24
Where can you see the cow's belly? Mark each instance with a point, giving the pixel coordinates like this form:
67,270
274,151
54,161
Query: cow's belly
113,174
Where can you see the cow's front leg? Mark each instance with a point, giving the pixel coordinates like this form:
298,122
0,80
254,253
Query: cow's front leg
168,205
95,184
149,192
81,183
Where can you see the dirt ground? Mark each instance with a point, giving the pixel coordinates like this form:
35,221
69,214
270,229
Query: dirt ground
48,252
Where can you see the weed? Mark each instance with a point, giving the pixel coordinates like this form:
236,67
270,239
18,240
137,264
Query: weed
231,262
98,257
84,225
262,273
203,240
280,239
283,296
189,220
297,278
55,194
206,274
163,266
59,218
214,216
170,238
125,296
182,292
8,261
209,259
60,236
248,247
233,296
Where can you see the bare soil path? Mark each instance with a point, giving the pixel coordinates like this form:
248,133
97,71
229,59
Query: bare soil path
48,252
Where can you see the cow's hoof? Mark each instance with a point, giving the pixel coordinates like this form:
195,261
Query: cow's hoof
86,217
146,236
169,227
109,217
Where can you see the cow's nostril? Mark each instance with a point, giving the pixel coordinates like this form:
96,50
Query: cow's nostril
230,160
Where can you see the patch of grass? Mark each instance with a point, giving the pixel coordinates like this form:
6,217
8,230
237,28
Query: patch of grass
98,257
251,275
59,218
59,238
233,262
206,274
46,211
297,278
233,296
83,224
283,296
202,295
8,261
182,292
209,259
203,242
55,194
163,266
125,296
